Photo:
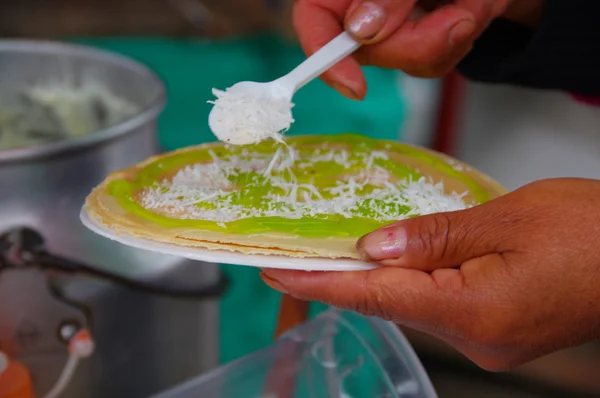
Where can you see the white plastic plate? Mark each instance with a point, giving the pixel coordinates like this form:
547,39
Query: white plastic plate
229,257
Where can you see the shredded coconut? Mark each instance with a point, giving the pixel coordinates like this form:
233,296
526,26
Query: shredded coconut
235,187
242,117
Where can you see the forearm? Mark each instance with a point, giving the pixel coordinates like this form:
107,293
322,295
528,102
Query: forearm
561,53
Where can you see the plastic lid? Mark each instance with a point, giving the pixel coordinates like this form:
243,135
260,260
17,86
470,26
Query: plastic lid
337,354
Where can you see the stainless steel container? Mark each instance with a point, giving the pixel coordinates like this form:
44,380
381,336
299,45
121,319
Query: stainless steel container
145,342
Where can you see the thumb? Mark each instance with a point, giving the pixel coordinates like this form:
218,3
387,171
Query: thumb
374,20
439,240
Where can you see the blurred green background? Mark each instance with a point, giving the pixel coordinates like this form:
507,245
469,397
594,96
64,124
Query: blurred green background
318,110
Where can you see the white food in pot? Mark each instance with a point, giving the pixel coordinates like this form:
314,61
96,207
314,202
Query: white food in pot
58,111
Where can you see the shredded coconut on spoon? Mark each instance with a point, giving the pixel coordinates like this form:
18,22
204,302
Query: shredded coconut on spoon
250,112
240,117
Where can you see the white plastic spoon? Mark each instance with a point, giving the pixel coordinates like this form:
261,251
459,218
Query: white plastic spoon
267,100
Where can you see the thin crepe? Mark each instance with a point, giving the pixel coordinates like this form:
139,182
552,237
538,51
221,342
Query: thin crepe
103,208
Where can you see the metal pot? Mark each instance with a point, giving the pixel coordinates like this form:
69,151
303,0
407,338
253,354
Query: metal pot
146,341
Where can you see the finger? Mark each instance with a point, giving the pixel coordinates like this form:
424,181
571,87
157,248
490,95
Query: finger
316,23
444,239
372,21
483,11
442,66
405,296
431,43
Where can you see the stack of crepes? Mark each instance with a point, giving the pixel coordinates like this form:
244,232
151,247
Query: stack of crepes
313,196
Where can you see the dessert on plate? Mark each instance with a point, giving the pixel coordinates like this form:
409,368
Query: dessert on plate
312,196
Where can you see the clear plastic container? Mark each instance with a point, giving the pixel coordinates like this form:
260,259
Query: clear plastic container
338,354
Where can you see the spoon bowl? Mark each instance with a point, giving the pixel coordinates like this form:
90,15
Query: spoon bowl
283,89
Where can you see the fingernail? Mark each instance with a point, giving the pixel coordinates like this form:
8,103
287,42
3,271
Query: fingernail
272,283
460,32
385,243
345,91
366,21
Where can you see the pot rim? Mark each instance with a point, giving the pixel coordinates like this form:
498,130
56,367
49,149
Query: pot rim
149,113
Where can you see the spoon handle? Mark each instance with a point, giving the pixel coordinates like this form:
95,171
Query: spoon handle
327,56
